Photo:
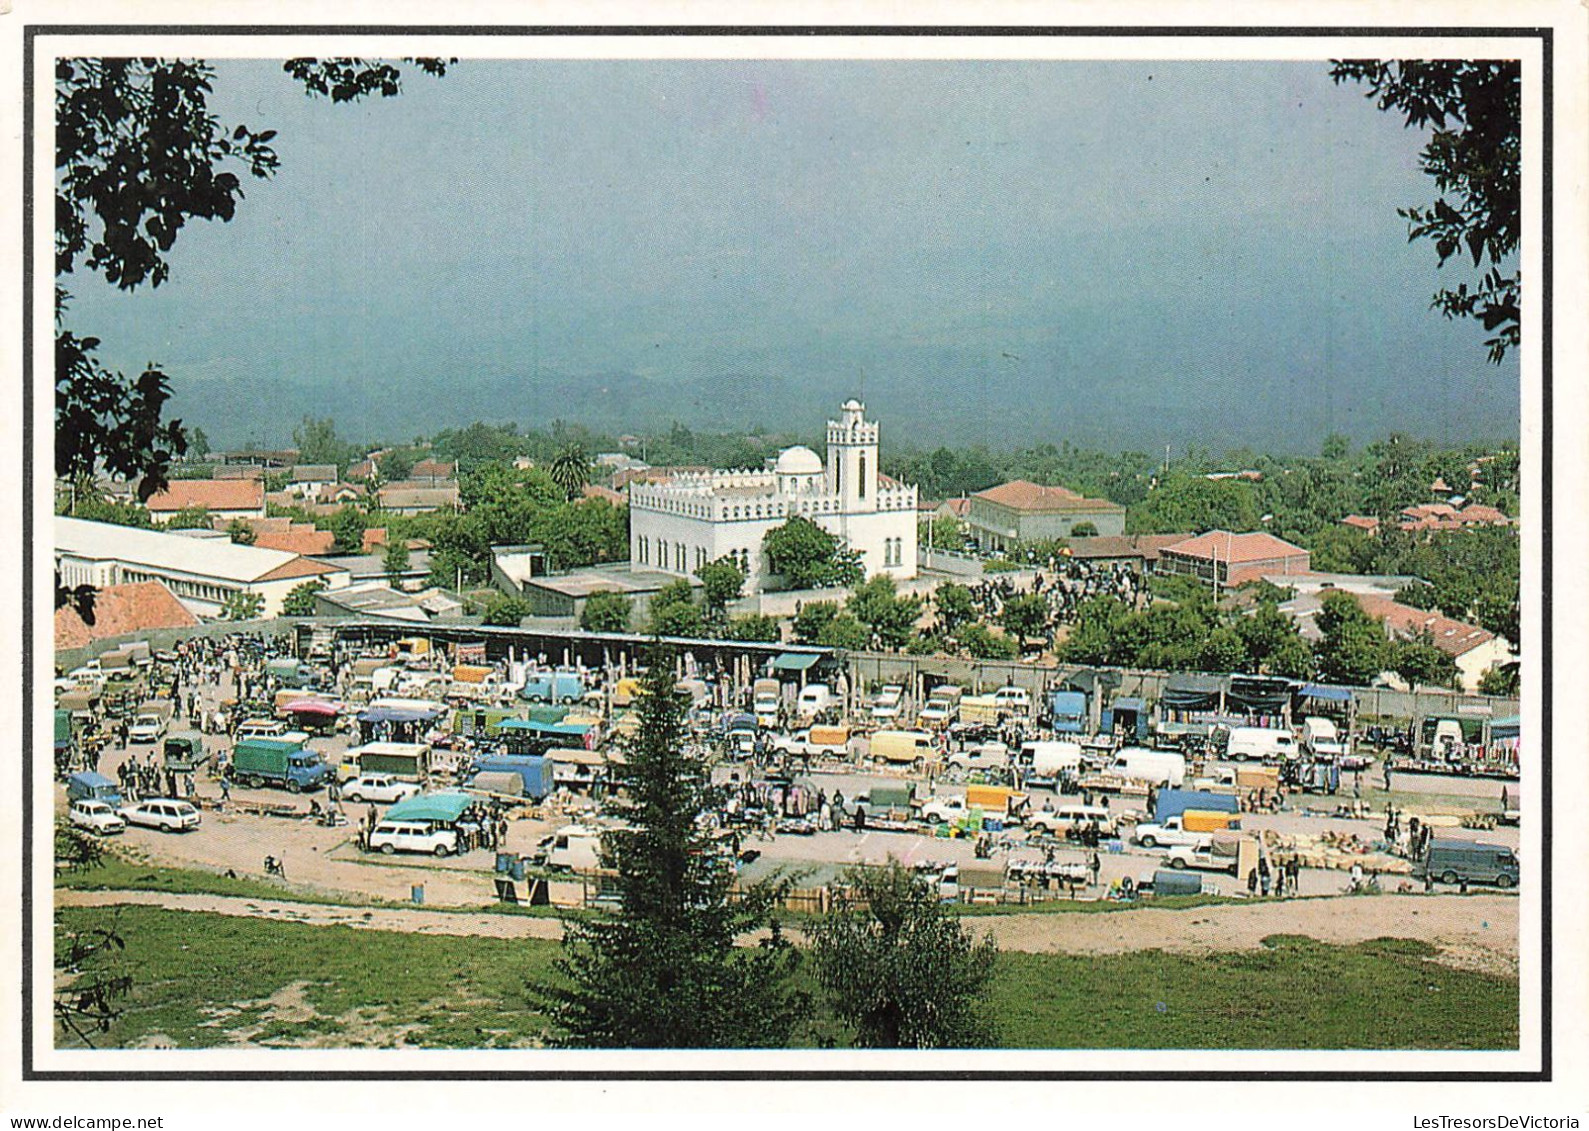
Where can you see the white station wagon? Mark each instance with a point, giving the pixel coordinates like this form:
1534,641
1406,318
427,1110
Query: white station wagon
412,836
164,813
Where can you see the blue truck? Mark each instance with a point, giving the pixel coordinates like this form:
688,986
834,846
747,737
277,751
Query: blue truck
271,761
1174,802
533,769
1069,709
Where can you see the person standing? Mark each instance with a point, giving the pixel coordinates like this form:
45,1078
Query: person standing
1252,881
1095,865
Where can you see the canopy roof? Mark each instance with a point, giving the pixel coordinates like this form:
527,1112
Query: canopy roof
535,726
442,807
314,707
396,715
1130,704
1508,727
1325,691
795,661
1260,692
1088,681
1191,690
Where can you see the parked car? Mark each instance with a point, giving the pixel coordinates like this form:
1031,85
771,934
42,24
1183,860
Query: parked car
413,836
164,813
888,704
383,788
96,817
1012,698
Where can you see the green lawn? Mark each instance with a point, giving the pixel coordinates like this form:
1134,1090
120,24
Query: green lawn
203,980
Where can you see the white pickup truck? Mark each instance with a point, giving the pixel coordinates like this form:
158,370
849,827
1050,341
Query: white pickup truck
1169,834
1201,856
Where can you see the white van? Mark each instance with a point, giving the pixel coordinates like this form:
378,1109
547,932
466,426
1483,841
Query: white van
261,728
1016,699
574,848
1260,744
814,699
986,756
1321,739
1156,767
413,836
1048,759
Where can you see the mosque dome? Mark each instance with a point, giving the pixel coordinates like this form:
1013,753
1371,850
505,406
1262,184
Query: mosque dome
799,461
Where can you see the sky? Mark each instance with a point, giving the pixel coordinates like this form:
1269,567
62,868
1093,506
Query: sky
1122,255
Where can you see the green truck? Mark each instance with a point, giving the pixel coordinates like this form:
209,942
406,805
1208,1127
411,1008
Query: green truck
184,754
272,761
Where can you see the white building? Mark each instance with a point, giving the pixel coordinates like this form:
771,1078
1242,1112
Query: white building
202,572
680,525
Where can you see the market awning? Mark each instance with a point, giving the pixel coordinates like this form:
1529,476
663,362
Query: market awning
1192,690
314,707
1128,704
1259,693
1326,692
795,661
442,807
1088,681
1509,727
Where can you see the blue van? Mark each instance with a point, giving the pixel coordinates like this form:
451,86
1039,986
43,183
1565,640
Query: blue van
1469,861
95,786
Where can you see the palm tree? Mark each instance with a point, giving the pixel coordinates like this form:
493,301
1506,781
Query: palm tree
570,470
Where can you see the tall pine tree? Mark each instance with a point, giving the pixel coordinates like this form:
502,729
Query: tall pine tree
664,971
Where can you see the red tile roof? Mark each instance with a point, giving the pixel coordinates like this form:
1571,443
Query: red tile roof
1362,522
301,539
211,494
1021,495
299,567
1221,545
597,491
1452,637
1144,546
136,607
1482,513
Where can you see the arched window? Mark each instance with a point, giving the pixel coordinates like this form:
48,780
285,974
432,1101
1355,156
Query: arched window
861,489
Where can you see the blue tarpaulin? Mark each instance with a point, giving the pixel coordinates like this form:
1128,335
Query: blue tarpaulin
396,715
535,726
1509,727
1325,691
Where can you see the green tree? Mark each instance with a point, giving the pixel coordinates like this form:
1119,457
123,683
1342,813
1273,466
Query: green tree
1084,530
942,532
299,601
755,627
317,442
1353,647
889,617
984,644
1026,617
808,557
674,612
347,526
722,581
899,969
240,604
812,618
1293,659
843,631
955,606
189,518
606,611
1419,662
505,611
1501,680
571,470
240,532
1335,447
83,500
1223,650
665,970
1474,153
394,562
198,443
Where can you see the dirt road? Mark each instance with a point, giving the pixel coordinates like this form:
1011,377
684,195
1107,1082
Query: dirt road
1477,932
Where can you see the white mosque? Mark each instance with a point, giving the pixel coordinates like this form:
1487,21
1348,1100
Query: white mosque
681,524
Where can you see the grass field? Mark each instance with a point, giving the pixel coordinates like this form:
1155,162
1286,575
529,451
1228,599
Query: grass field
204,980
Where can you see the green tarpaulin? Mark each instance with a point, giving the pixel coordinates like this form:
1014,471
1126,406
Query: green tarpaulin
795,661
440,807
